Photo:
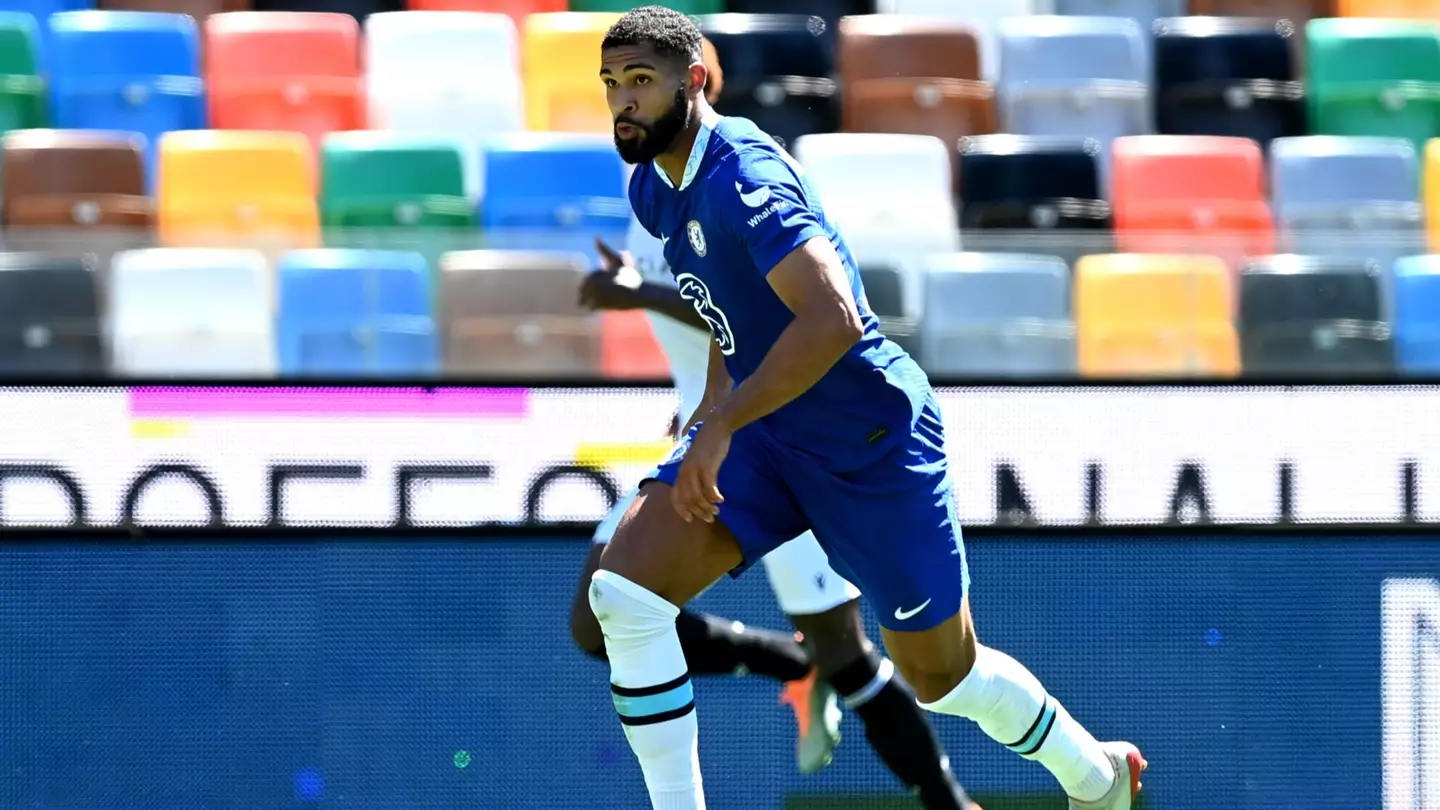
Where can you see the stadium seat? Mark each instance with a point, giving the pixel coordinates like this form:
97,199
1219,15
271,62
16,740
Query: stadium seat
948,109
1299,12
890,194
24,103
49,317
344,312
41,11
1416,283
199,9
284,71
1313,315
1079,77
380,179
779,72
1430,193
628,348
129,71
359,10
997,315
514,314
1227,76
893,291
831,11
74,179
1357,197
192,312
1155,315
516,10
257,188
554,192
421,78
561,55
1143,12
1190,194
1030,194
1427,10
983,15
1374,77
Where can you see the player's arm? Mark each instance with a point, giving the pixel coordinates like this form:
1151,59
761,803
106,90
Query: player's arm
812,283
614,286
717,387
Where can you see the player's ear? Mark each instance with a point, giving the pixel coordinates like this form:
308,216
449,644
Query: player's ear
695,79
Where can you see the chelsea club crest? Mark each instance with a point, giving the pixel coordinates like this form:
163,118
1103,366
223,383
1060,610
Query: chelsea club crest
697,237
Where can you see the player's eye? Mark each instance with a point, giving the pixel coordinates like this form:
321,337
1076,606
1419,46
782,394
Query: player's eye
609,82
642,79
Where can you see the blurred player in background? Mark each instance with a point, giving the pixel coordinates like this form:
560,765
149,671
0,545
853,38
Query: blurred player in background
836,658
811,420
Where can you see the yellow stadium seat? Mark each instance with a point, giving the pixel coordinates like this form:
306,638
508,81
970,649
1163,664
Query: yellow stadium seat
1430,188
561,57
218,187
1151,314
1390,9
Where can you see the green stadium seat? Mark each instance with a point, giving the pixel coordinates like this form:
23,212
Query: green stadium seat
1374,77
22,89
686,6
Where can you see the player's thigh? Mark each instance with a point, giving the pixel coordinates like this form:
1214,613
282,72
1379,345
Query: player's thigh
655,548
803,581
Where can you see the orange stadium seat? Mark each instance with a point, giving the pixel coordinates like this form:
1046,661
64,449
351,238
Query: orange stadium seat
1168,315
1191,194
220,188
517,9
560,55
1389,9
74,178
514,314
296,71
628,349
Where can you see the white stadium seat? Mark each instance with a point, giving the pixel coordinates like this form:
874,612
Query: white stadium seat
192,311
451,74
890,195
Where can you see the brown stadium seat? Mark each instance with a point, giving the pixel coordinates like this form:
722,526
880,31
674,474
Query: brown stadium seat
199,9
949,109
514,314
74,178
878,50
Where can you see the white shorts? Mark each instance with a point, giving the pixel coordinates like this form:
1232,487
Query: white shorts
799,571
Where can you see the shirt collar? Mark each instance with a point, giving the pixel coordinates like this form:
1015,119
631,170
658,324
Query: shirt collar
697,154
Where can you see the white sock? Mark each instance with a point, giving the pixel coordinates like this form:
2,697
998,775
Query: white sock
650,684
1010,705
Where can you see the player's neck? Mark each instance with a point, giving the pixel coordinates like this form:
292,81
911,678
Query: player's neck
673,160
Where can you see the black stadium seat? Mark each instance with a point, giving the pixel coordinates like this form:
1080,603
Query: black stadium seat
1227,76
779,71
1312,315
49,316
1033,193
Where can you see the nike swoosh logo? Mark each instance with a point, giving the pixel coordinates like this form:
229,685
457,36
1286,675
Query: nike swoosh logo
756,198
902,615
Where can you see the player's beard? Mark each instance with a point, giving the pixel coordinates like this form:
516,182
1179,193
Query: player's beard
655,138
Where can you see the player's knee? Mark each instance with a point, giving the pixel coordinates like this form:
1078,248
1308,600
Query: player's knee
628,613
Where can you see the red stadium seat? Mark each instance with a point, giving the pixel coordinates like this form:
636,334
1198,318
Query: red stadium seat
628,349
284,71
1191,194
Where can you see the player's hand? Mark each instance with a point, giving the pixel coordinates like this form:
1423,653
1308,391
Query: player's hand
612,285
696,495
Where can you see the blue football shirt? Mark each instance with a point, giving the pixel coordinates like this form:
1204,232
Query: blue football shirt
742,206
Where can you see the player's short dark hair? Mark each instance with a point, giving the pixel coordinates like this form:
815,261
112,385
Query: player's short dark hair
669,32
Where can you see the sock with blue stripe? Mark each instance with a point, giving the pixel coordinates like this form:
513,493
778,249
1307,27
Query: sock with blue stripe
1010,705
650,685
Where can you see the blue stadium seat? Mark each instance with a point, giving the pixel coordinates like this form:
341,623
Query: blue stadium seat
997,315
1227,76
1080,77
1417,314
130,71
1313,315
1347,196
355,312
553,192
